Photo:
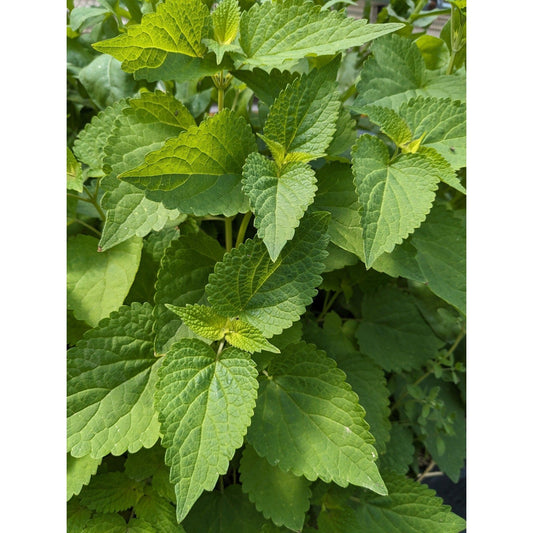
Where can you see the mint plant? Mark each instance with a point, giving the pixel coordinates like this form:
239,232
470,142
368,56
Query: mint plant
266,267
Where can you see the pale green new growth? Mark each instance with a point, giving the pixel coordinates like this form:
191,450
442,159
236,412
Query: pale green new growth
274,33
390,122
75,178
393,332
98,282
110,386
205,404
207,323
309,421
395,195
411,507
181,280
303,117
198,159
79,472
280,496
271,296
226,18
279,198
397,72
138,130
177,26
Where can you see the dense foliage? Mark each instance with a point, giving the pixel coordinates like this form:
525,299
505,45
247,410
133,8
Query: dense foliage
266,267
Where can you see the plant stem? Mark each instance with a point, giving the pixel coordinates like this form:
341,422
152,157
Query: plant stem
79,198
242,228
416,11
99,233
449,70
94,200
228,233
220,99
327,306
428,469
221,484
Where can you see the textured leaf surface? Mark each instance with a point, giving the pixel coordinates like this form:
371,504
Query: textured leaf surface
205,403
397,72
366,378
266,85
309,421
226,18
158,512
395,195
110,384
280,496
77,516
271,296
393,332
304,115
202,165
443,122
98,282
181,280
75,177
110,492
177,26
138,130
90,143
114,523
79,472
279,198
400,450
221,513
276,32
391,123
435,254
410,507
207,323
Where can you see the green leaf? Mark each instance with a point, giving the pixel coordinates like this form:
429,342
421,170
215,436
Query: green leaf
391,123
410,507
81,17
77,516
79,472
217,512
75,178
181,280
266,85
271,296
336,195
158,512
114,523
138,130
207,323
110,384
98,282
205,404
397,72
400,450
279,198
200,167
304,115
90,143
280,496
275,32
344,137
395,195
177,26
366,378
105,82
434,51
393,332
443,122
226,18
110,492
309,421
145,463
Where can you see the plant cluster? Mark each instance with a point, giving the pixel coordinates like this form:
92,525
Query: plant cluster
266,267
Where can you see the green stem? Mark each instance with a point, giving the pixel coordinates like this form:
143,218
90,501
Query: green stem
79,198
418,8
449,70
327,306
94,200
432,13
220,99
228,233
242,228
99,233
221,484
